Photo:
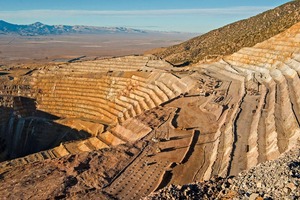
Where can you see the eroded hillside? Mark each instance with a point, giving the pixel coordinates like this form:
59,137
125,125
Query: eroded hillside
233,37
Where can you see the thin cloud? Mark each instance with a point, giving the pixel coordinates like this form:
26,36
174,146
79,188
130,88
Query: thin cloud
70,13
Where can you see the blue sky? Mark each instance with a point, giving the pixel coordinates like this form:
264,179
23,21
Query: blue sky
165,15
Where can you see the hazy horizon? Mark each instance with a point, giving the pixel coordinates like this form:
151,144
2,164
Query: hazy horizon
190,16
142,29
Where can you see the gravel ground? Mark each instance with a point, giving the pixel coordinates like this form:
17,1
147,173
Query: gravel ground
278,179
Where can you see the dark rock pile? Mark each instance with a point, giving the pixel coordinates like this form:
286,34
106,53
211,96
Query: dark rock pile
212,189
276,179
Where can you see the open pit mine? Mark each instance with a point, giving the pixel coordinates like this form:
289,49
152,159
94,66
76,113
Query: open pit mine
158,124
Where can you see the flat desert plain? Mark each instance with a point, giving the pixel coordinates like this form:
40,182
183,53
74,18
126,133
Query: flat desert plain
38,49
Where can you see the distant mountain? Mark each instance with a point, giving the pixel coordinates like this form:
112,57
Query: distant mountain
43,29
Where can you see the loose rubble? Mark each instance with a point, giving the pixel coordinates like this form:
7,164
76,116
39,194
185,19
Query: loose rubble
273,179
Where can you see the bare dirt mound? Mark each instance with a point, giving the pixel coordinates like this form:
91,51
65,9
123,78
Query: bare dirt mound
81,175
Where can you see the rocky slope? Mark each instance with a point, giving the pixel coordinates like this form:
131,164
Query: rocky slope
233,37
278,179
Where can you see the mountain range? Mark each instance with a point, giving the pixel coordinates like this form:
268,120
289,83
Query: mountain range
39,28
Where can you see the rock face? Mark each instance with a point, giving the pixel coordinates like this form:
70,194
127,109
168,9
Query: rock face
233,37
160,126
